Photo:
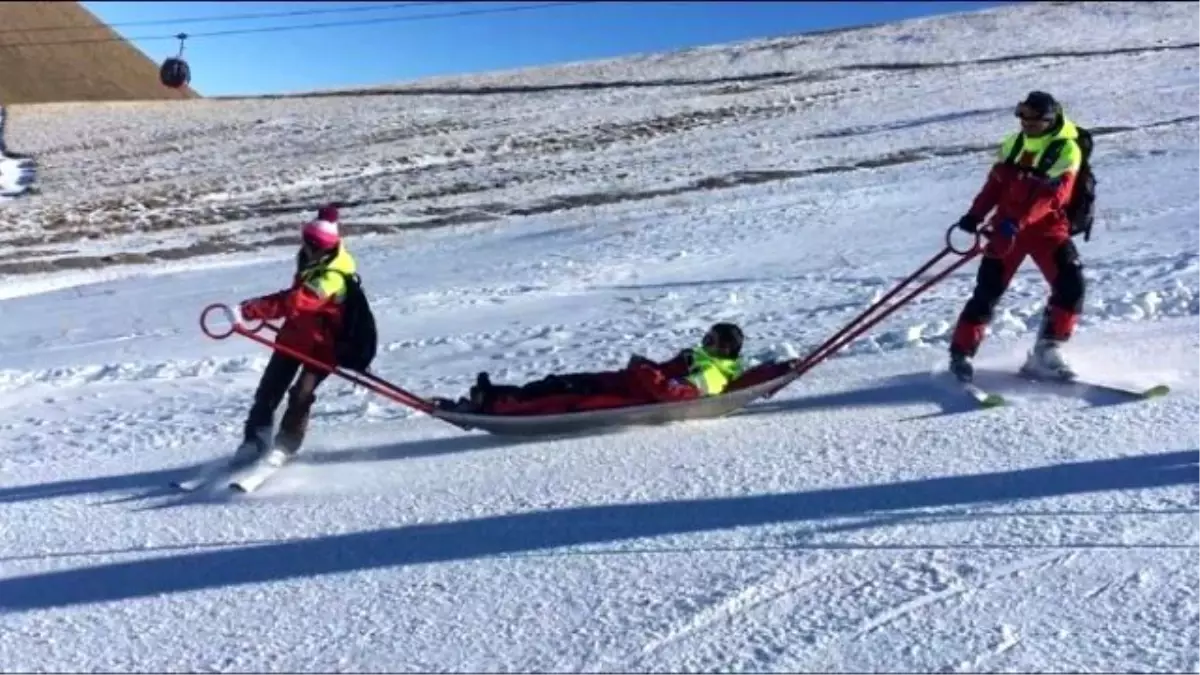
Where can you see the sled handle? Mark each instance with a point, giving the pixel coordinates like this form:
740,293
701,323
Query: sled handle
1000,251
230,318
975,242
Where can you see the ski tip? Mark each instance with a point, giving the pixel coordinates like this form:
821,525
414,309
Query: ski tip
1157,390
992,401
983,398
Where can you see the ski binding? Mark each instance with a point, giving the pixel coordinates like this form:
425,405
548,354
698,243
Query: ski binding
205,475
242,477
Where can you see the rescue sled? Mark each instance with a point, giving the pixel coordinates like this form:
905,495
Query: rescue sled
614,418
733,400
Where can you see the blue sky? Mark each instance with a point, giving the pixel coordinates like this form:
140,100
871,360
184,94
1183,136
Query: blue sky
399,51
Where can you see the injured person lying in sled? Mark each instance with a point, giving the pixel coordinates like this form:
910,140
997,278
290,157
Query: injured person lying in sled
695,372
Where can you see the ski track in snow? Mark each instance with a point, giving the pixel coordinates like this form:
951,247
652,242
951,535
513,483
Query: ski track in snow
868,518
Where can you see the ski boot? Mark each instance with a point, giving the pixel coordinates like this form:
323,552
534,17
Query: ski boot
292,428
1046,361
961,367
256,443
277,457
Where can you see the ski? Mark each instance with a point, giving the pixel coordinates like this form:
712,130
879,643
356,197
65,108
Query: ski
1136,392
1133,391
204,475
251,477
982,397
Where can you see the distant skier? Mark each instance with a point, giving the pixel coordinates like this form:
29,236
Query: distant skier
18,172
312,307
1029,189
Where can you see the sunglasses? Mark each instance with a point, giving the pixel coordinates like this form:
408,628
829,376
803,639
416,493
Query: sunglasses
1027,115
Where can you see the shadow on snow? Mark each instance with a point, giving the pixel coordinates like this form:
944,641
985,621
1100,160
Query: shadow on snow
544,530
907,389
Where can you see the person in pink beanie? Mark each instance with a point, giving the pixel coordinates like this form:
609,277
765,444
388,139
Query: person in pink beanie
312,310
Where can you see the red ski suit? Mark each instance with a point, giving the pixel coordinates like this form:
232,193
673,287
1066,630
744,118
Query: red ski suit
1034,200
641,382
311,307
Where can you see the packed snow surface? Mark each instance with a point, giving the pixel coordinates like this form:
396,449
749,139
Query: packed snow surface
868,518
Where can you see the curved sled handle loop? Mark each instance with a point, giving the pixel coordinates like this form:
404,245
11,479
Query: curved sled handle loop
976,242
230,318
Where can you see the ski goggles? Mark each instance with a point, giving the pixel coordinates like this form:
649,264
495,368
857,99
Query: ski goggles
1028,114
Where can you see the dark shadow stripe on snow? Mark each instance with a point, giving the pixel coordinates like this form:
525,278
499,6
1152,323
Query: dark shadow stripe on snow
547,530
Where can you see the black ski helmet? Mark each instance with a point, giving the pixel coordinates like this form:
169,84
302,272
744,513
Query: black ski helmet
729,339
1043,104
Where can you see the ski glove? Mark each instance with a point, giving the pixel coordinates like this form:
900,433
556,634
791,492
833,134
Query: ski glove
637,359
252,309
1008,228
968,223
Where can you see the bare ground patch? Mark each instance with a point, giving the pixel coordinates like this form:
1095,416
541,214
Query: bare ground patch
433,216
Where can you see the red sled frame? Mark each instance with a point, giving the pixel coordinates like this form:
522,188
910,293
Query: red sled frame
861,323
507,424
369,381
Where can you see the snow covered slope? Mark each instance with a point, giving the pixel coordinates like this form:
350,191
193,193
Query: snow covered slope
868,518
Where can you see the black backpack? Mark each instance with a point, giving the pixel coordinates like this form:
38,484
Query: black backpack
358,340
1081,210
1082,205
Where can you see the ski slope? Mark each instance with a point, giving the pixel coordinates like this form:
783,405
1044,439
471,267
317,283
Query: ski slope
868,518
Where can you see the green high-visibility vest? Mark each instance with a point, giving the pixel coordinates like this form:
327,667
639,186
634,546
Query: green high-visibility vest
712,374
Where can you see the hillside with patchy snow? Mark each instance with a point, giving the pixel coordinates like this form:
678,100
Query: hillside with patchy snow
870,517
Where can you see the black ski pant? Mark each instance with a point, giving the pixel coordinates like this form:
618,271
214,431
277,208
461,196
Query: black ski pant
276,378
1056,258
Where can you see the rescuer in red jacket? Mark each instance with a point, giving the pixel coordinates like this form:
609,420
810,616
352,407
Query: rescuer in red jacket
312,311
1028,187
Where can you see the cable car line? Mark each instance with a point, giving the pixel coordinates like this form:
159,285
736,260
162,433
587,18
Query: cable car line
311,26
227,17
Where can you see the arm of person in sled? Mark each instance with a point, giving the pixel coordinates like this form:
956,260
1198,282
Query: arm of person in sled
655,384
677,366
1054,191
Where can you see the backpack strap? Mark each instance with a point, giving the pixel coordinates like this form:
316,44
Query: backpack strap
1015,152
1050,156
349,279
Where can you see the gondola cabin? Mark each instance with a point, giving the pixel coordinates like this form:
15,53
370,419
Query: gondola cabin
175,73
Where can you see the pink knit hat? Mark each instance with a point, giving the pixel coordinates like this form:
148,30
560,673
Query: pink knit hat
323,232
